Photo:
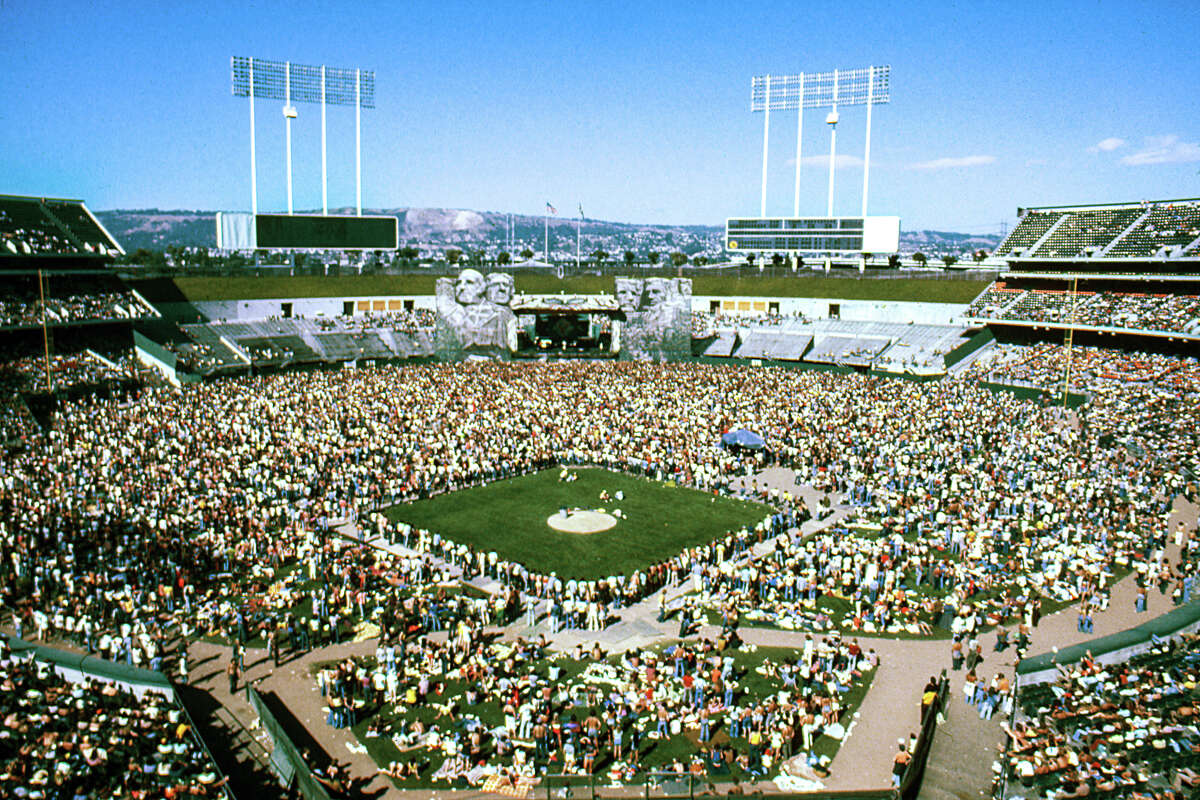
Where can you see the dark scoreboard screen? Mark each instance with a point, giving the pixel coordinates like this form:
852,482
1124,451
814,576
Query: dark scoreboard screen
314,231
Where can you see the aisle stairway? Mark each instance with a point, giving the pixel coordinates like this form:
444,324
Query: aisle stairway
960,763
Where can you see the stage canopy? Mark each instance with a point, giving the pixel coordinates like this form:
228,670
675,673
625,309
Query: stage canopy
743,438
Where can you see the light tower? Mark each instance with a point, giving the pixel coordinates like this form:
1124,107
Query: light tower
868,86
283,80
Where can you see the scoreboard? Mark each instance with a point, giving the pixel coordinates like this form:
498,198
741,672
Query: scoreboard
242,231
813,234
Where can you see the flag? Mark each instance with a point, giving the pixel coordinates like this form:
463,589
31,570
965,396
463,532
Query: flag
581,211
550,209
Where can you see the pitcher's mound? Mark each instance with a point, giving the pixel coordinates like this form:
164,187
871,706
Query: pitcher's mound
581,522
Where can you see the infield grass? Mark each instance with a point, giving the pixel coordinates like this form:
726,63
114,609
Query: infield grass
510,516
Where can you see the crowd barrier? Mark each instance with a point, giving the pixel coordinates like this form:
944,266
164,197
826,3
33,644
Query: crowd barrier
286,760
1111,649
910,781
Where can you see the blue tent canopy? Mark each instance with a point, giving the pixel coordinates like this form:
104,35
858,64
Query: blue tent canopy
743,438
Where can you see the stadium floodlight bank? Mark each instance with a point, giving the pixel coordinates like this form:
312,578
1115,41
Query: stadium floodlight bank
241,231
302,83
813,234
868,87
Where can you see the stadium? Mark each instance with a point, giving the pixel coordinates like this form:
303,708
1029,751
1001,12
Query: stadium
237,511
470,528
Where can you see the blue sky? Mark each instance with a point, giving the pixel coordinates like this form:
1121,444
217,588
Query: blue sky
639,111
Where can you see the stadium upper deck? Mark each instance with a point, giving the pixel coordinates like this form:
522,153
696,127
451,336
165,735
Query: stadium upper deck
1108,237
36,227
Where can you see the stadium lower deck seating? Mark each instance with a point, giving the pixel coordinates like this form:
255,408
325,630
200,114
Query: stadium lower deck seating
272,342
1131,310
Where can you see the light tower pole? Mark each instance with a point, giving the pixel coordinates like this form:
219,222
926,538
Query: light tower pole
832,119
289,114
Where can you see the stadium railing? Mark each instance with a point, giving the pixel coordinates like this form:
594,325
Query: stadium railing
654,785
910,782
1114,648
286,760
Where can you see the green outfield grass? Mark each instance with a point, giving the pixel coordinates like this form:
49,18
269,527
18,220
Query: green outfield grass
654,753
509,517
927,290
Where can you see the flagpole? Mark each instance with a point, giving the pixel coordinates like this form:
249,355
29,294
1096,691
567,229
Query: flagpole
578,229
546,246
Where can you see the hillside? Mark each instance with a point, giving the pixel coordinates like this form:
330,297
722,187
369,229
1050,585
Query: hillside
154,229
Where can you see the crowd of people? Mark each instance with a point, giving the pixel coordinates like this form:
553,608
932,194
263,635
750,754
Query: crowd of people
27,373
1149,399
1124,729
224,478
18,311
1178,313
91,739
463,710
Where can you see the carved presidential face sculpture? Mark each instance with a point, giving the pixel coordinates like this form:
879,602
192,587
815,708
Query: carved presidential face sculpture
629,293
657,291
469,287
500,288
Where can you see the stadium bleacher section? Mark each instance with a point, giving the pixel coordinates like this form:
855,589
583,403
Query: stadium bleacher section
41,226
219,346
1117,730
69,298
93,738
1161,229
1085,231
1131,310
1164,226
1032,227
892,347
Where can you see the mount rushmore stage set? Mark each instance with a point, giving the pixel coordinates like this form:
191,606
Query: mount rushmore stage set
482,316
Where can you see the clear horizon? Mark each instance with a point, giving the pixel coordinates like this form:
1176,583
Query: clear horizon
639,114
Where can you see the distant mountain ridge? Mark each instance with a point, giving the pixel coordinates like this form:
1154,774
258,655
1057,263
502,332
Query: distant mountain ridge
156,229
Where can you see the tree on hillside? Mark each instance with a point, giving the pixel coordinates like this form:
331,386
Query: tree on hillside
920,258
452,256
678,258
652,257
894,261
526,254
700,261
979,255
630,257
146,258
777,260
600,256
503,258
949,260
408,253
750,259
